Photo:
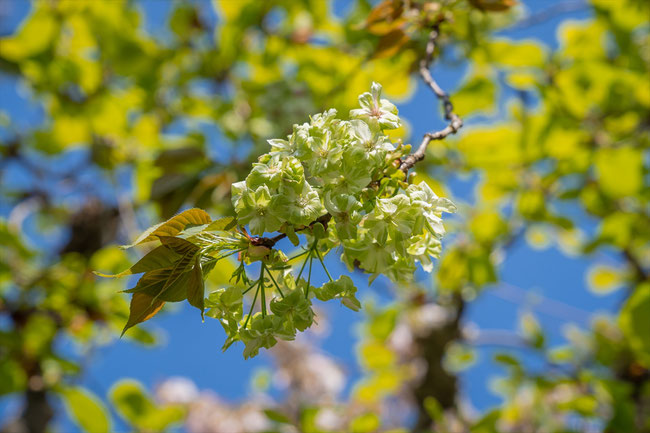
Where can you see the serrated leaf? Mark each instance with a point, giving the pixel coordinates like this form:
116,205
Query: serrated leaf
196,287
158,258
173,226
179,245
86,410
222,224
152,284
179,269
143,307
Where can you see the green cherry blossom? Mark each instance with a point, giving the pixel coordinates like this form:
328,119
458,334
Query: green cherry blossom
376,110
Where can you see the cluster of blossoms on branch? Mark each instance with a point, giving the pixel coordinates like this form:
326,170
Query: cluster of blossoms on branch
337,182
325,168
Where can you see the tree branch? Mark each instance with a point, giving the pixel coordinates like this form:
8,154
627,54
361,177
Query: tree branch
455,122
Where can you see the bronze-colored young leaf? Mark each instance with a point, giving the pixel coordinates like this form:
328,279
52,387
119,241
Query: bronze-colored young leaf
173,226
391,43
153,282
177,272
179,245
385,17
143,307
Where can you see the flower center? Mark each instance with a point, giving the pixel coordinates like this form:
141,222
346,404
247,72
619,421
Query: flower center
302,201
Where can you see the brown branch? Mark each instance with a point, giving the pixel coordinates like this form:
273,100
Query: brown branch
270,242
455,122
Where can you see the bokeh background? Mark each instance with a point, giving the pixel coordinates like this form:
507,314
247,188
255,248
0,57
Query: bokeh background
116,115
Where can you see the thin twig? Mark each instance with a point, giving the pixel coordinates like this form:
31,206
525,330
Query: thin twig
455,122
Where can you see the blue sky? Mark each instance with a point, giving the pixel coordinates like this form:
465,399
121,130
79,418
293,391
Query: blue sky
547,273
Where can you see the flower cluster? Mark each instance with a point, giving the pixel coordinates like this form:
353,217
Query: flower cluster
323,166
399,231
329,166
335,181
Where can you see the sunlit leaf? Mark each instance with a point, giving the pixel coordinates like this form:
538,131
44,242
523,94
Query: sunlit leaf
137,407
173,226
195,286
158,258
143,307
366,423
86,410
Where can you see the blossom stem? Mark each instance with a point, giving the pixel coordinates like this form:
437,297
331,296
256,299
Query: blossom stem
320,257
250,287
298,255
252,305
263,297
268,271
304,263
311,259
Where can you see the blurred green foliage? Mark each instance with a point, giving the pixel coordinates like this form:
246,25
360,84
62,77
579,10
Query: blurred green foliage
107,86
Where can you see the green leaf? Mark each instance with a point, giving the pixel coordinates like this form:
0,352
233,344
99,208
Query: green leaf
189,252
143,307
433,408
222,224
158,258
619,171
294,309
318,230
173,226
342,289
366,423
291,234
458,357
179,245
134,405
478,94
86,410
277,416
153,282
507,360
381,325
196,287
516,54
12,377
634,320
376,356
